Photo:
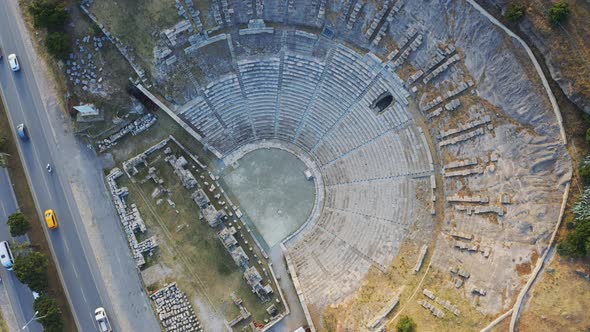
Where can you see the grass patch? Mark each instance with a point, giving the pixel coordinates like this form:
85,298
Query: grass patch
137,24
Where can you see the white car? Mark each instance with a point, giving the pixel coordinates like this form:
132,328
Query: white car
13,61
102,320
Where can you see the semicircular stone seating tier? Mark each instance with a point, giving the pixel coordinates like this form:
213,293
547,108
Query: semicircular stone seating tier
371,162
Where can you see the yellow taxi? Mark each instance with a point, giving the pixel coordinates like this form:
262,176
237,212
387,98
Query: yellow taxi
51,219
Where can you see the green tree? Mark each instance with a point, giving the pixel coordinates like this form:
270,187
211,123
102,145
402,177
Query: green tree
48,14
31,269
515,11
406,324
559,12
2,143
18,224
585,174
58,44
50,313
577,242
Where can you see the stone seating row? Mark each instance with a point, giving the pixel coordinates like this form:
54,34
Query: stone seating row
392,154
319,263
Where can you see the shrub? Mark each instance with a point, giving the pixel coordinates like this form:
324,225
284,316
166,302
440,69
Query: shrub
515,11
48,14
31,269
559,12
51,313
576,243
406,324
585,174
18,224
58,44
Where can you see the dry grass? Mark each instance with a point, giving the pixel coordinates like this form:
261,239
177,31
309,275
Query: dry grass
378,289
469,320
3,326
136,24
560,301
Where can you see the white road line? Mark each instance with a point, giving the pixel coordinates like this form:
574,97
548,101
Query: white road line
75,271
83,295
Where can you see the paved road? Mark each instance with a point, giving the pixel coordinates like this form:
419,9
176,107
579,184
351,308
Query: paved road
20,297
94,262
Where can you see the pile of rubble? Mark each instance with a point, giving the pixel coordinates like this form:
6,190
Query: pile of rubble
186,176
81,69
174,310
135,127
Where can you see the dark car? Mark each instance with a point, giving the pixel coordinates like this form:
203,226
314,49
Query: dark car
21,131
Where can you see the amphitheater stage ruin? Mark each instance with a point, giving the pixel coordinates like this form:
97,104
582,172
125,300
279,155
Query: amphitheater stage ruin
273,192
437,150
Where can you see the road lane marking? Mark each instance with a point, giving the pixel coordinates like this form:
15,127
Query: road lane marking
84,296
75,271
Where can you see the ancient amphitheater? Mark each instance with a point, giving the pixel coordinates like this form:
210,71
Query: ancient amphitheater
424,123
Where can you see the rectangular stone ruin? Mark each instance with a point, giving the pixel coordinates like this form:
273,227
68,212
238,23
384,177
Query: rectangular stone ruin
445,303
462,87
383,313
471,210
240,257
441,68
434,310
213,216
130,165
130,219
463,172
254,280
463,236
460,163
468,199
226,235
452,105
467,126
428,294
256,26
187,178
200,198
479,291
431,104
134,128
461,138
421,256
354,15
